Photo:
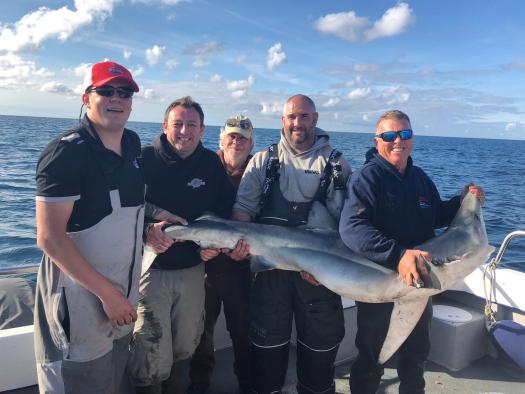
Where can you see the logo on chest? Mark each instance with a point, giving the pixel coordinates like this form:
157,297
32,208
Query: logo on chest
423,202
196,183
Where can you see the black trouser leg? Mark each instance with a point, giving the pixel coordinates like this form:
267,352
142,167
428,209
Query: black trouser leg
315,370
203,361
236,307
413,355
271,314
320,328
372,326
269,368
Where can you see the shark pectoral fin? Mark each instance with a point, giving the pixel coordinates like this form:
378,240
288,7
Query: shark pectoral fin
259,263
147,258
405,315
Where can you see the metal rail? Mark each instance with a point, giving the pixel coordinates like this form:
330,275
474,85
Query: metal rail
519,233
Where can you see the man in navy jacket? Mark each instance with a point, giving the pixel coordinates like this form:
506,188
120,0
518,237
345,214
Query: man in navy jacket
392,206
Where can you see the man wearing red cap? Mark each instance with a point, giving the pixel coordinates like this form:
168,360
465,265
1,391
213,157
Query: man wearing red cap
89,213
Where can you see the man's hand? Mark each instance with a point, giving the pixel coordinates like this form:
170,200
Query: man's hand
241,251
412,267
309,278
208,254
156,238
118,309
474,189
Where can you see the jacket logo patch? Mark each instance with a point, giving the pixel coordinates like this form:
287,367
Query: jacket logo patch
196,183
424,203
311,172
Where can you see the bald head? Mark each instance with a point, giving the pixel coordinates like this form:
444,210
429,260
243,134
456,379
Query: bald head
299,121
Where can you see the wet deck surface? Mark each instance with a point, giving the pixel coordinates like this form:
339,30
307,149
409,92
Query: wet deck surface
486,375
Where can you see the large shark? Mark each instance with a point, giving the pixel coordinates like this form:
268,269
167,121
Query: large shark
321,252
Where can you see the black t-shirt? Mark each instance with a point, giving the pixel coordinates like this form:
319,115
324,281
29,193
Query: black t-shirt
188,188
77,167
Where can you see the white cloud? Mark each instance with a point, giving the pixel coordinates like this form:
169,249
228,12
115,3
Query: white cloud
38,26
149,94
137,71
346,25
351,27
82,69
332,102
394,21
126,54
275,57
215,78
515,126
238,93
336,116
359,93
203,52
241,84
56,87
171,64
395,95
366,117
154,54
15,70
272,108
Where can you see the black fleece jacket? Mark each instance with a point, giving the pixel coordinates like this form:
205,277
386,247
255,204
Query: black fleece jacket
385,212
188,188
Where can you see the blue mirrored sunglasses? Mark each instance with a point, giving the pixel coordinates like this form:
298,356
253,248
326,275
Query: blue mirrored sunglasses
389,136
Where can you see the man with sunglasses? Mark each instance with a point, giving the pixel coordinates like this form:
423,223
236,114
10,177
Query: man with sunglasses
89,214
279,187
391,206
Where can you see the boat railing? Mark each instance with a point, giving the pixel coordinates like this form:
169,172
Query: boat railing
518,233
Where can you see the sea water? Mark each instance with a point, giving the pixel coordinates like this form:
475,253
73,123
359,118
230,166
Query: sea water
497,165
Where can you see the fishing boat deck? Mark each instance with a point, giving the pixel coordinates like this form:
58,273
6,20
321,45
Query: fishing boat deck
486,375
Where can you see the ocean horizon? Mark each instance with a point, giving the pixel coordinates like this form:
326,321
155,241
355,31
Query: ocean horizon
451,162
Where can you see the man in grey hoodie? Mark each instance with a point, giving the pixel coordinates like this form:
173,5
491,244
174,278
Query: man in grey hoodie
278,187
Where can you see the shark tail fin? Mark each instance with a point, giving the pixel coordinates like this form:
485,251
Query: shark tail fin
405,316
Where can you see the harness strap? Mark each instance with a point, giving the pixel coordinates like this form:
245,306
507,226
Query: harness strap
333,171
272,168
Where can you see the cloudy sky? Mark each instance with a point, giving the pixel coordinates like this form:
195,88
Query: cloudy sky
456,67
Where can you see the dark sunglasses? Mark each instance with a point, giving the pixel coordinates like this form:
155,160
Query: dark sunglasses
109,91
389,136
244,124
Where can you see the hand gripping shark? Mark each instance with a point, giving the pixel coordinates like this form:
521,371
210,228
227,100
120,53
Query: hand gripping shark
455,254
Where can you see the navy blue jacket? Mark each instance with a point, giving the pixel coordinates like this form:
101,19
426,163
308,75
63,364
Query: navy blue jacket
385,212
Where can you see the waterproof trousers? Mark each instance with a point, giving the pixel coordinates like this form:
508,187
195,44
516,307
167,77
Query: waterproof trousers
372,326
277,298
231,289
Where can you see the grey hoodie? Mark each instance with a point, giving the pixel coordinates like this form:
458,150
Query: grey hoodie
299,175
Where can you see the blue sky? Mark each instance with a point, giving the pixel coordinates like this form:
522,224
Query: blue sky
456,67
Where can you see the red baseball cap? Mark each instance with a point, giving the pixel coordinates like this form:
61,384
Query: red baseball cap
104,72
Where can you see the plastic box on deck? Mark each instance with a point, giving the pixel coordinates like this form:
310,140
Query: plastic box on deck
458,336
